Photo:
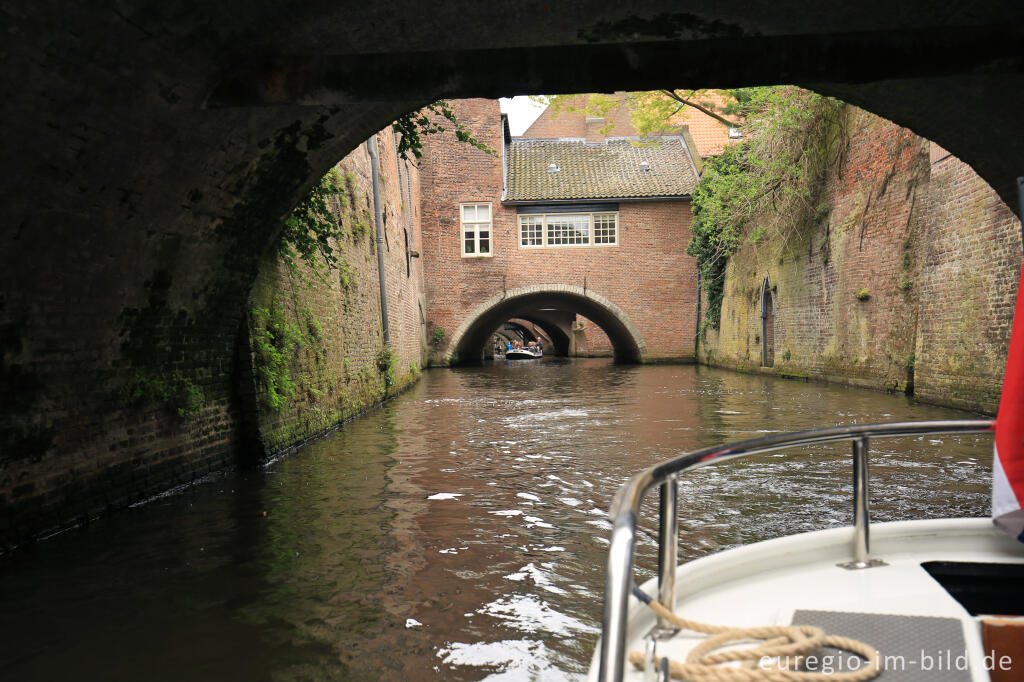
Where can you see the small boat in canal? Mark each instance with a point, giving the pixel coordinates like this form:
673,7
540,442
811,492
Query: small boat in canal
530,353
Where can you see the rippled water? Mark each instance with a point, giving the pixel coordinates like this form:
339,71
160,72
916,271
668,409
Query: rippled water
458,533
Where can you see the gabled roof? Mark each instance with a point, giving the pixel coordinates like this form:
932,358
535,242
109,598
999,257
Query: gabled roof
614,169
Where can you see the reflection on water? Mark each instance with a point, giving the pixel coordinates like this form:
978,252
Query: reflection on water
457,533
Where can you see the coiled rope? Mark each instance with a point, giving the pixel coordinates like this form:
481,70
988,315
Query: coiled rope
784,647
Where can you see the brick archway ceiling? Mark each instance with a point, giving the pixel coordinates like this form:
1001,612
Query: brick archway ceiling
152,149
558,336
470,345
552,329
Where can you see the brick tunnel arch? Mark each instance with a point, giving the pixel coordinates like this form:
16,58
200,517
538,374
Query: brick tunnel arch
147,189
557,339
469,339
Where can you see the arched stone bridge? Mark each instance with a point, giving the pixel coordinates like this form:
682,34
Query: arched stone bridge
151,151
476,327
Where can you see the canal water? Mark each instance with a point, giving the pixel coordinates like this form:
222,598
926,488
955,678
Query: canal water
458,533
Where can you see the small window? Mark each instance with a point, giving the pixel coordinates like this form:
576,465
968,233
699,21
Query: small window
606,228
476,229
531,230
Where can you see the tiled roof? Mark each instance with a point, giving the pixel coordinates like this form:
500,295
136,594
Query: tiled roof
598,170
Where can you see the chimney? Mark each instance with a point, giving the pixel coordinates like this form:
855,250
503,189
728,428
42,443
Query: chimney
594,125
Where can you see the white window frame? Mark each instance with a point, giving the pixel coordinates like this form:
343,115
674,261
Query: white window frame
614,215
475,226
547,238
535,221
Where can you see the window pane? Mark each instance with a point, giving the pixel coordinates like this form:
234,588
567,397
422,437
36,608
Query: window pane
469,241
606,229
483,212
485,243
468,213
568,230
531,231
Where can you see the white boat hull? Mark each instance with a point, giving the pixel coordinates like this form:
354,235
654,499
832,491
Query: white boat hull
765,583
523,354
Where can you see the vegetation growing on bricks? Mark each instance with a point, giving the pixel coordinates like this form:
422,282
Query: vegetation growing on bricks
772,184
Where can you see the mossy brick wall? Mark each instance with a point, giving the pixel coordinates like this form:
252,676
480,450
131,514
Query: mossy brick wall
142,190
865,297
334,369
967,288
648,275
122,359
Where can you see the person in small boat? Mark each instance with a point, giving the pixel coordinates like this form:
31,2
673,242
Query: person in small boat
540,344
509,347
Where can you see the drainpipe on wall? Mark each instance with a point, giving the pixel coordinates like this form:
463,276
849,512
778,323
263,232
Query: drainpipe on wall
379,218
696,329
764,322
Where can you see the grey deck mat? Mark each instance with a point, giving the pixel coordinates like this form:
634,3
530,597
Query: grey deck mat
912,648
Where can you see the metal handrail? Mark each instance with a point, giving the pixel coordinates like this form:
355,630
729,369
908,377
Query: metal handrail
626,508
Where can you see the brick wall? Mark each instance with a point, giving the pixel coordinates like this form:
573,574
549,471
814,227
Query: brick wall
648,275
552,124
595,342
908,283
967,288
335,367
150,387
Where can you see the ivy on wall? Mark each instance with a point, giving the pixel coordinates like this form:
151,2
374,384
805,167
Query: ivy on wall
182,396
769,186
313,231
276,341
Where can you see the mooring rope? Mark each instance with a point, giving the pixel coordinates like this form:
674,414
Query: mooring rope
784,647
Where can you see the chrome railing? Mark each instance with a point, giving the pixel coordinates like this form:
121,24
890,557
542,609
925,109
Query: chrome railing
626,508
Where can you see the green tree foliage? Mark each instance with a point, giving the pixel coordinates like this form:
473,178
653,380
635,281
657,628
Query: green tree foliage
771,185
436,117
650,112
713,237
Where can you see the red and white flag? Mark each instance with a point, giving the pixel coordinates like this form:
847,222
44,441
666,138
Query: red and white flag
1008,464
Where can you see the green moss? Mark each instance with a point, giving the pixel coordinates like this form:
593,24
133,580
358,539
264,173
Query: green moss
386,363
436,338
178,394
275,341
863,294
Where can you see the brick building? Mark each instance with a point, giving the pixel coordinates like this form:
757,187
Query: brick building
709,136
565,234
